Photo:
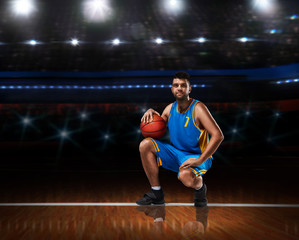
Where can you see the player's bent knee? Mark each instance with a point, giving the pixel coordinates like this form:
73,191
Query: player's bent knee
186,177
145,145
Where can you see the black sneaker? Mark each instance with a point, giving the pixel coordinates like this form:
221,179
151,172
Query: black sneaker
200,198
152,197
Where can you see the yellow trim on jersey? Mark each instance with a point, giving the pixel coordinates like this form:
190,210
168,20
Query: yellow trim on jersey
191,169
189,105
203,140
155,144
201,172
196,173
177,109
160,162
193,118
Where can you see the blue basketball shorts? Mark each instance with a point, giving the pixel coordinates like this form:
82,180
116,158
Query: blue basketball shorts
172,158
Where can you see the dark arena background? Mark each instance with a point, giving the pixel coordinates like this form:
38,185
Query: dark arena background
76,76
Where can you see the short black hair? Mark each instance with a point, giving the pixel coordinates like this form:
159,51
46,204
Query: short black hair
182,75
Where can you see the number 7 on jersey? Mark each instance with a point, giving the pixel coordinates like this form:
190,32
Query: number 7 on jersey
186,124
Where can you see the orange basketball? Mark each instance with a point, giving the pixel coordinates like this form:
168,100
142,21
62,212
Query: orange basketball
154,129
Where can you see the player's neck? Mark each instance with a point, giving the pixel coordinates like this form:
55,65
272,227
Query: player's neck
183,104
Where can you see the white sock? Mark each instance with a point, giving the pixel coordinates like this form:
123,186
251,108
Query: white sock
156,188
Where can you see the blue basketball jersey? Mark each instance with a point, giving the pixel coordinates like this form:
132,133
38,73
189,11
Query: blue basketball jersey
184,132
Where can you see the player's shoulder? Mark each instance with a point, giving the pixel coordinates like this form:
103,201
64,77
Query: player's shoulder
200,104
168,108
200,107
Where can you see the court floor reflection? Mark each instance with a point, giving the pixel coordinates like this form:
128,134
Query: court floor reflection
193,228
150,222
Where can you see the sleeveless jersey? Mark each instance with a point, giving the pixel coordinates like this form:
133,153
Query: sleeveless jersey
184,132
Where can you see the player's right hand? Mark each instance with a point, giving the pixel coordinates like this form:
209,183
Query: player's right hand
148,115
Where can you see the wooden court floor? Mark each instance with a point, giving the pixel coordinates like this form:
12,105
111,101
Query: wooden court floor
129,221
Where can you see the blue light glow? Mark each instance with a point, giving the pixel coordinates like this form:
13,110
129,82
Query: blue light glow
26,121
64,134
201,40
273,31
70,87
32,42
83,115
243,39
287,81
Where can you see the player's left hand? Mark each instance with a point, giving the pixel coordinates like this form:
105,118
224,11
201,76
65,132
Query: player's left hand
191,162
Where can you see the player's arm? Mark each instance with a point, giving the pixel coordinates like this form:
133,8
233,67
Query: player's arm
205,120
148,115
166,112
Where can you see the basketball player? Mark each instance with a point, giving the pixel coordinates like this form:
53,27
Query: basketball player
190,153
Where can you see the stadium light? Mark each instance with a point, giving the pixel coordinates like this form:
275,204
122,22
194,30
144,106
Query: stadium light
293,17
265,6
32,42
173,6
97,10
26,121
201,40
64,134
75,42
23,7
116,41
159,41
273,31
243,39
83,115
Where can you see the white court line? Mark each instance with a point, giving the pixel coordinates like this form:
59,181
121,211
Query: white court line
134,204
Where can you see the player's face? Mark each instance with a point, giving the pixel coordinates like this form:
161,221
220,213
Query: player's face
180,88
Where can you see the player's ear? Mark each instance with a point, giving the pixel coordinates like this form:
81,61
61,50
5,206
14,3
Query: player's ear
171,88
190,88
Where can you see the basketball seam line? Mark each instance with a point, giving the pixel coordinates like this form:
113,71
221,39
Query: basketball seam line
152,122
